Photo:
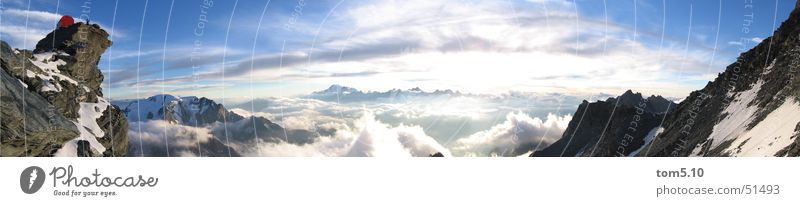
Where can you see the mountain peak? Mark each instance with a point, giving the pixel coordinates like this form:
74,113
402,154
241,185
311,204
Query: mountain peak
625,122
83,46
336,88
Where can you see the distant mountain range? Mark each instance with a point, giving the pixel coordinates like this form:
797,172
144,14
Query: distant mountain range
202,112
344,94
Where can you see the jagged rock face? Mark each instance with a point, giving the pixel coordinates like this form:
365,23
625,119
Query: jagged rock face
116,135
63,72
29,124
615,127
751,109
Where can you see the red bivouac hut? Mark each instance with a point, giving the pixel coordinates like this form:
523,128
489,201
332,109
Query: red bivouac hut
65,21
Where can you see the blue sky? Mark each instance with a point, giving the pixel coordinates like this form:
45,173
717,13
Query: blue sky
474,46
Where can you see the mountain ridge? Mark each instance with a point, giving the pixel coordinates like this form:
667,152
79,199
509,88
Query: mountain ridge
339,93
613,127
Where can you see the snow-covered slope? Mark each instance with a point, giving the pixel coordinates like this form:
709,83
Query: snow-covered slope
190,110
750,109
765,137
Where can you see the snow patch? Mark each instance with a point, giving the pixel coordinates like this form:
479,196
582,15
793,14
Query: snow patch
23,83
88,128
697,149
769,68
45,61
771,134
648,139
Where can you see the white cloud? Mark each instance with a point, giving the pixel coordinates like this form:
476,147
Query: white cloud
421,123
32,15
395,130
378,139
183,140
19,36
322,147
245,113
370,138
735,43
518,130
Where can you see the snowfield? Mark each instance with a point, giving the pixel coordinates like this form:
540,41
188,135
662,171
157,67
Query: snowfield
770,135
766,138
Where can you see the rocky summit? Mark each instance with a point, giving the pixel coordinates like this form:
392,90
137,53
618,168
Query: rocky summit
52,100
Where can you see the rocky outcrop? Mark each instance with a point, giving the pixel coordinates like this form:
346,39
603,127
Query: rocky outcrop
62,71
84,45
614,127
